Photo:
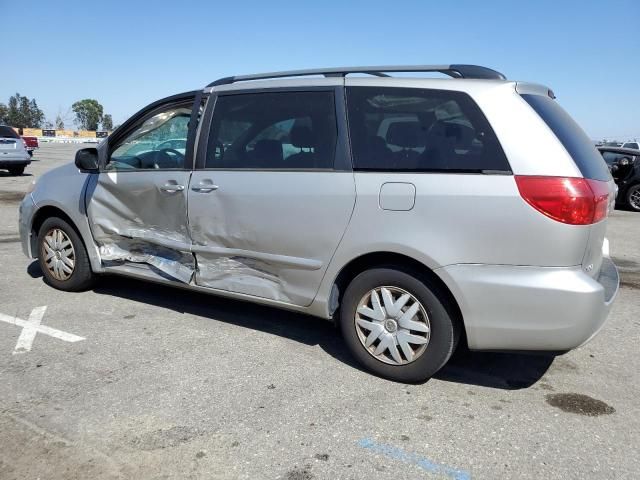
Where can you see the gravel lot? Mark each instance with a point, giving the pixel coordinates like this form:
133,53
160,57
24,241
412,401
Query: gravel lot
174,384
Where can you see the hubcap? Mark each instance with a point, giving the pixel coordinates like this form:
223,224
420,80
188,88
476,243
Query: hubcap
634,199
392,325
58,253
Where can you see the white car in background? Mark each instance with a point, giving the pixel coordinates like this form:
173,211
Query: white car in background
635,145
13,151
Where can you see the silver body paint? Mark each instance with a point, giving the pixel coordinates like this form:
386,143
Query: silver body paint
521,280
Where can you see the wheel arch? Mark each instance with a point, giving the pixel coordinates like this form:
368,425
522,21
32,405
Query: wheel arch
48,211
397,260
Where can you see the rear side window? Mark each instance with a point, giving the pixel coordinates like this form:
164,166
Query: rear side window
575,141
283,130
8,132
420,130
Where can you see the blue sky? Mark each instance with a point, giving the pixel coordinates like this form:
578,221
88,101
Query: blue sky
128,54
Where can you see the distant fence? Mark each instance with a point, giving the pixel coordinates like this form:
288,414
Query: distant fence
47,134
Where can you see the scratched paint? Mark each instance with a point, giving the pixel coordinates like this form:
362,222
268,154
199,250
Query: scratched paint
414,459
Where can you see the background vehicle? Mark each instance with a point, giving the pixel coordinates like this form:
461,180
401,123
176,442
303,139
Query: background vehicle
13,152
633,145
624,164
31,144
406,209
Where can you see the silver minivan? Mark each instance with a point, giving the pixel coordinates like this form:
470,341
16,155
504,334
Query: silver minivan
417,213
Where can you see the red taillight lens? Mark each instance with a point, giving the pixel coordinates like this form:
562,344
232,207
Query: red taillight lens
576,201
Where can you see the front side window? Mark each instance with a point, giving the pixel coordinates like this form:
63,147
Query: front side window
160,142
411,129
284,130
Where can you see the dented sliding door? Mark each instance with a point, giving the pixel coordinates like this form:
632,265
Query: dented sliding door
271,199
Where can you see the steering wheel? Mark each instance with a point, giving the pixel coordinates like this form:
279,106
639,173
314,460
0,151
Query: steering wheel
172,150
167,158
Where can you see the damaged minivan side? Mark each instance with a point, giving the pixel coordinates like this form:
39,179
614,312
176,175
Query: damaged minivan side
405,209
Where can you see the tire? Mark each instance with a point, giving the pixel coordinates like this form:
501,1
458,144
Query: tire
67,245
433,311
17,170
633,197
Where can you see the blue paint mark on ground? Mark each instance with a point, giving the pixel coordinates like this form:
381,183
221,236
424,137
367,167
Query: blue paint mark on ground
414,459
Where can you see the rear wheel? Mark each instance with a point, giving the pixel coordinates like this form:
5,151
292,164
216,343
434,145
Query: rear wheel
633,197
63,257
17,170
397,325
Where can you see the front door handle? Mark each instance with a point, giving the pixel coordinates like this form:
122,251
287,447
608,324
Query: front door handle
206,186
172,188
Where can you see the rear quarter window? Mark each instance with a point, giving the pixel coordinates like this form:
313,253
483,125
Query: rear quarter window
575,141
420,130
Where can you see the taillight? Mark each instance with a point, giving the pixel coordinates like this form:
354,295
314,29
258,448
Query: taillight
576,201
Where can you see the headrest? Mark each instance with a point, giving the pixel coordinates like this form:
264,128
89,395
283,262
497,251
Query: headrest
460,135
406,134
302,137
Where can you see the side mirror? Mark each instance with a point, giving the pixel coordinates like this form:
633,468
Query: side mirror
87,160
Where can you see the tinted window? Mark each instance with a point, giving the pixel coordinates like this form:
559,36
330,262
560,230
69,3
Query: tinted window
611,157
285,130
575,141
410,129
631,145
8,132
159,142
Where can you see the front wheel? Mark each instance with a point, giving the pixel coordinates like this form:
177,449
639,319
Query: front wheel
397,325
633,197
62,256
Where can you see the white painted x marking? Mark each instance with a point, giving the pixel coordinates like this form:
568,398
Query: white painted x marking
31,327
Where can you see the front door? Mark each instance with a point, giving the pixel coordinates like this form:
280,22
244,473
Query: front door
137,207
273,197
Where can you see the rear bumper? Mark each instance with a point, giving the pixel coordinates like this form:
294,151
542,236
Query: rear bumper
531,308
14,159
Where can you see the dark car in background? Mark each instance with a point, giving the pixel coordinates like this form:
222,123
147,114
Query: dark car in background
624,164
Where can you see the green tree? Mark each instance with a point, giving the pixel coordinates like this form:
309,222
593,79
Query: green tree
59,122
88,113
107,122
23,113
36,116
4,112
15,115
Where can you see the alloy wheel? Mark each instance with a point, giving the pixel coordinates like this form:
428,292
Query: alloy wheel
634,198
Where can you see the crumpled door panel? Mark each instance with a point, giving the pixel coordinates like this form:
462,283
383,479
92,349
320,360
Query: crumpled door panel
134,220
269,234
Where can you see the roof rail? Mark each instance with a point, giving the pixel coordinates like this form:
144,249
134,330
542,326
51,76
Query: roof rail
455,71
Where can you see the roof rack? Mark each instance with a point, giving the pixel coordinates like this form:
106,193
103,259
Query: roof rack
455,71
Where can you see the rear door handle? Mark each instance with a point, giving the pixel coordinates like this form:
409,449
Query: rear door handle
206,186
171,188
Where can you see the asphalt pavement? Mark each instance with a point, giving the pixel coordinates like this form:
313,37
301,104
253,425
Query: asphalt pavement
135,380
